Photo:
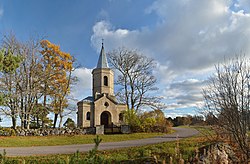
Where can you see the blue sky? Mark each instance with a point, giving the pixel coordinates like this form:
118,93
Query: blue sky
185,37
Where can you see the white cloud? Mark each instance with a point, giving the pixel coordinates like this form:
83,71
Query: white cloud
184,94
203,32
189,38
193,37
180,112
83,86
164,74
113,38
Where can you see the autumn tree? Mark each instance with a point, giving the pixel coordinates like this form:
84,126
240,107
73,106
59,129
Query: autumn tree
227,98
58,67
135,78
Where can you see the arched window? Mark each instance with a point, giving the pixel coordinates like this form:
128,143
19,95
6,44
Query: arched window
88,116
121,117
105,79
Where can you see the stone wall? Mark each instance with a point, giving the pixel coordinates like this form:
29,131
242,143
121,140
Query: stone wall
125,129
62,131
46,132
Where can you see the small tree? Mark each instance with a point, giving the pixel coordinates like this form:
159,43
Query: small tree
132,119
227,98
69,123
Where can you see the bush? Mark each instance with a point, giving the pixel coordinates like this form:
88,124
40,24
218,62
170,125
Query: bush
7,132
153,121
69,123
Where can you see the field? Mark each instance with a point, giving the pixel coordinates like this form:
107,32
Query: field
17,141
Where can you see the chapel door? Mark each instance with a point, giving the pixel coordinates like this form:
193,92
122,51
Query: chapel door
106,119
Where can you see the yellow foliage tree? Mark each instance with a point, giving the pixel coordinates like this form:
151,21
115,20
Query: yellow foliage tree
58,67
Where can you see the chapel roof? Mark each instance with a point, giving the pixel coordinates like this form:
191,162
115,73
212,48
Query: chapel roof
102,61
88,99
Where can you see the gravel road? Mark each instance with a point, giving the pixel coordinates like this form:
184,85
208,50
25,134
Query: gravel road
69,149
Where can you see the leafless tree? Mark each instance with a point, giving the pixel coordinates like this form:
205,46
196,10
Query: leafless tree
9,78
22,86
227,95
135,78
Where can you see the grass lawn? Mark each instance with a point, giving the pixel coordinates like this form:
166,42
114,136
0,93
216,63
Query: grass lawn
17,141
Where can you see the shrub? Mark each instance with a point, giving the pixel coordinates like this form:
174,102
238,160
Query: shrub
152,121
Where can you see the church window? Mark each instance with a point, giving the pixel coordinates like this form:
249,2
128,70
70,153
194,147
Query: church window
105,80
106,104
121,117
88,116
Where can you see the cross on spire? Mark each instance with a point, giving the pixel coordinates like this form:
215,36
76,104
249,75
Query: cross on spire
102,61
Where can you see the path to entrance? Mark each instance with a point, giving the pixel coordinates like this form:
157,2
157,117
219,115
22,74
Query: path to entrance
70,149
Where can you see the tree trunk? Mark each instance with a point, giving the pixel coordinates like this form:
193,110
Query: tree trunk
13,122
42,122
55,120
28,121
37,122
60,121
25,117
22,122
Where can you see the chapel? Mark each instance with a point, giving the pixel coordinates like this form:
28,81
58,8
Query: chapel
102,108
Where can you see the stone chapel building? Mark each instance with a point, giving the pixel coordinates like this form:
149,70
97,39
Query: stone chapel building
101,108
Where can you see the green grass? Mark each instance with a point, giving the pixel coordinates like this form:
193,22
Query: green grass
17,141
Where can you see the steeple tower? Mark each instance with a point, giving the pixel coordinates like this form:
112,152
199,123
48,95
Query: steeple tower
103,77
102,61
101,108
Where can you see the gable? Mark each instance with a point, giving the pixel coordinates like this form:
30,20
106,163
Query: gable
104,99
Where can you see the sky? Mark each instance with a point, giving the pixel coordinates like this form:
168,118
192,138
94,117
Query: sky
186,38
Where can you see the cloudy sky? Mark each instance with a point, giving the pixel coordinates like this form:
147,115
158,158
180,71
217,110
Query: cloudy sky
185,37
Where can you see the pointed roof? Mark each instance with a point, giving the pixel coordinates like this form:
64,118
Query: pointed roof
102,61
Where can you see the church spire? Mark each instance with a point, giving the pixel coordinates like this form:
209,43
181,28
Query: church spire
102,61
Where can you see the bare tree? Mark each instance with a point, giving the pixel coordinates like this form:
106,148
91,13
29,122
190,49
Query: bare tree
135,78
227,96
22,85
9,77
